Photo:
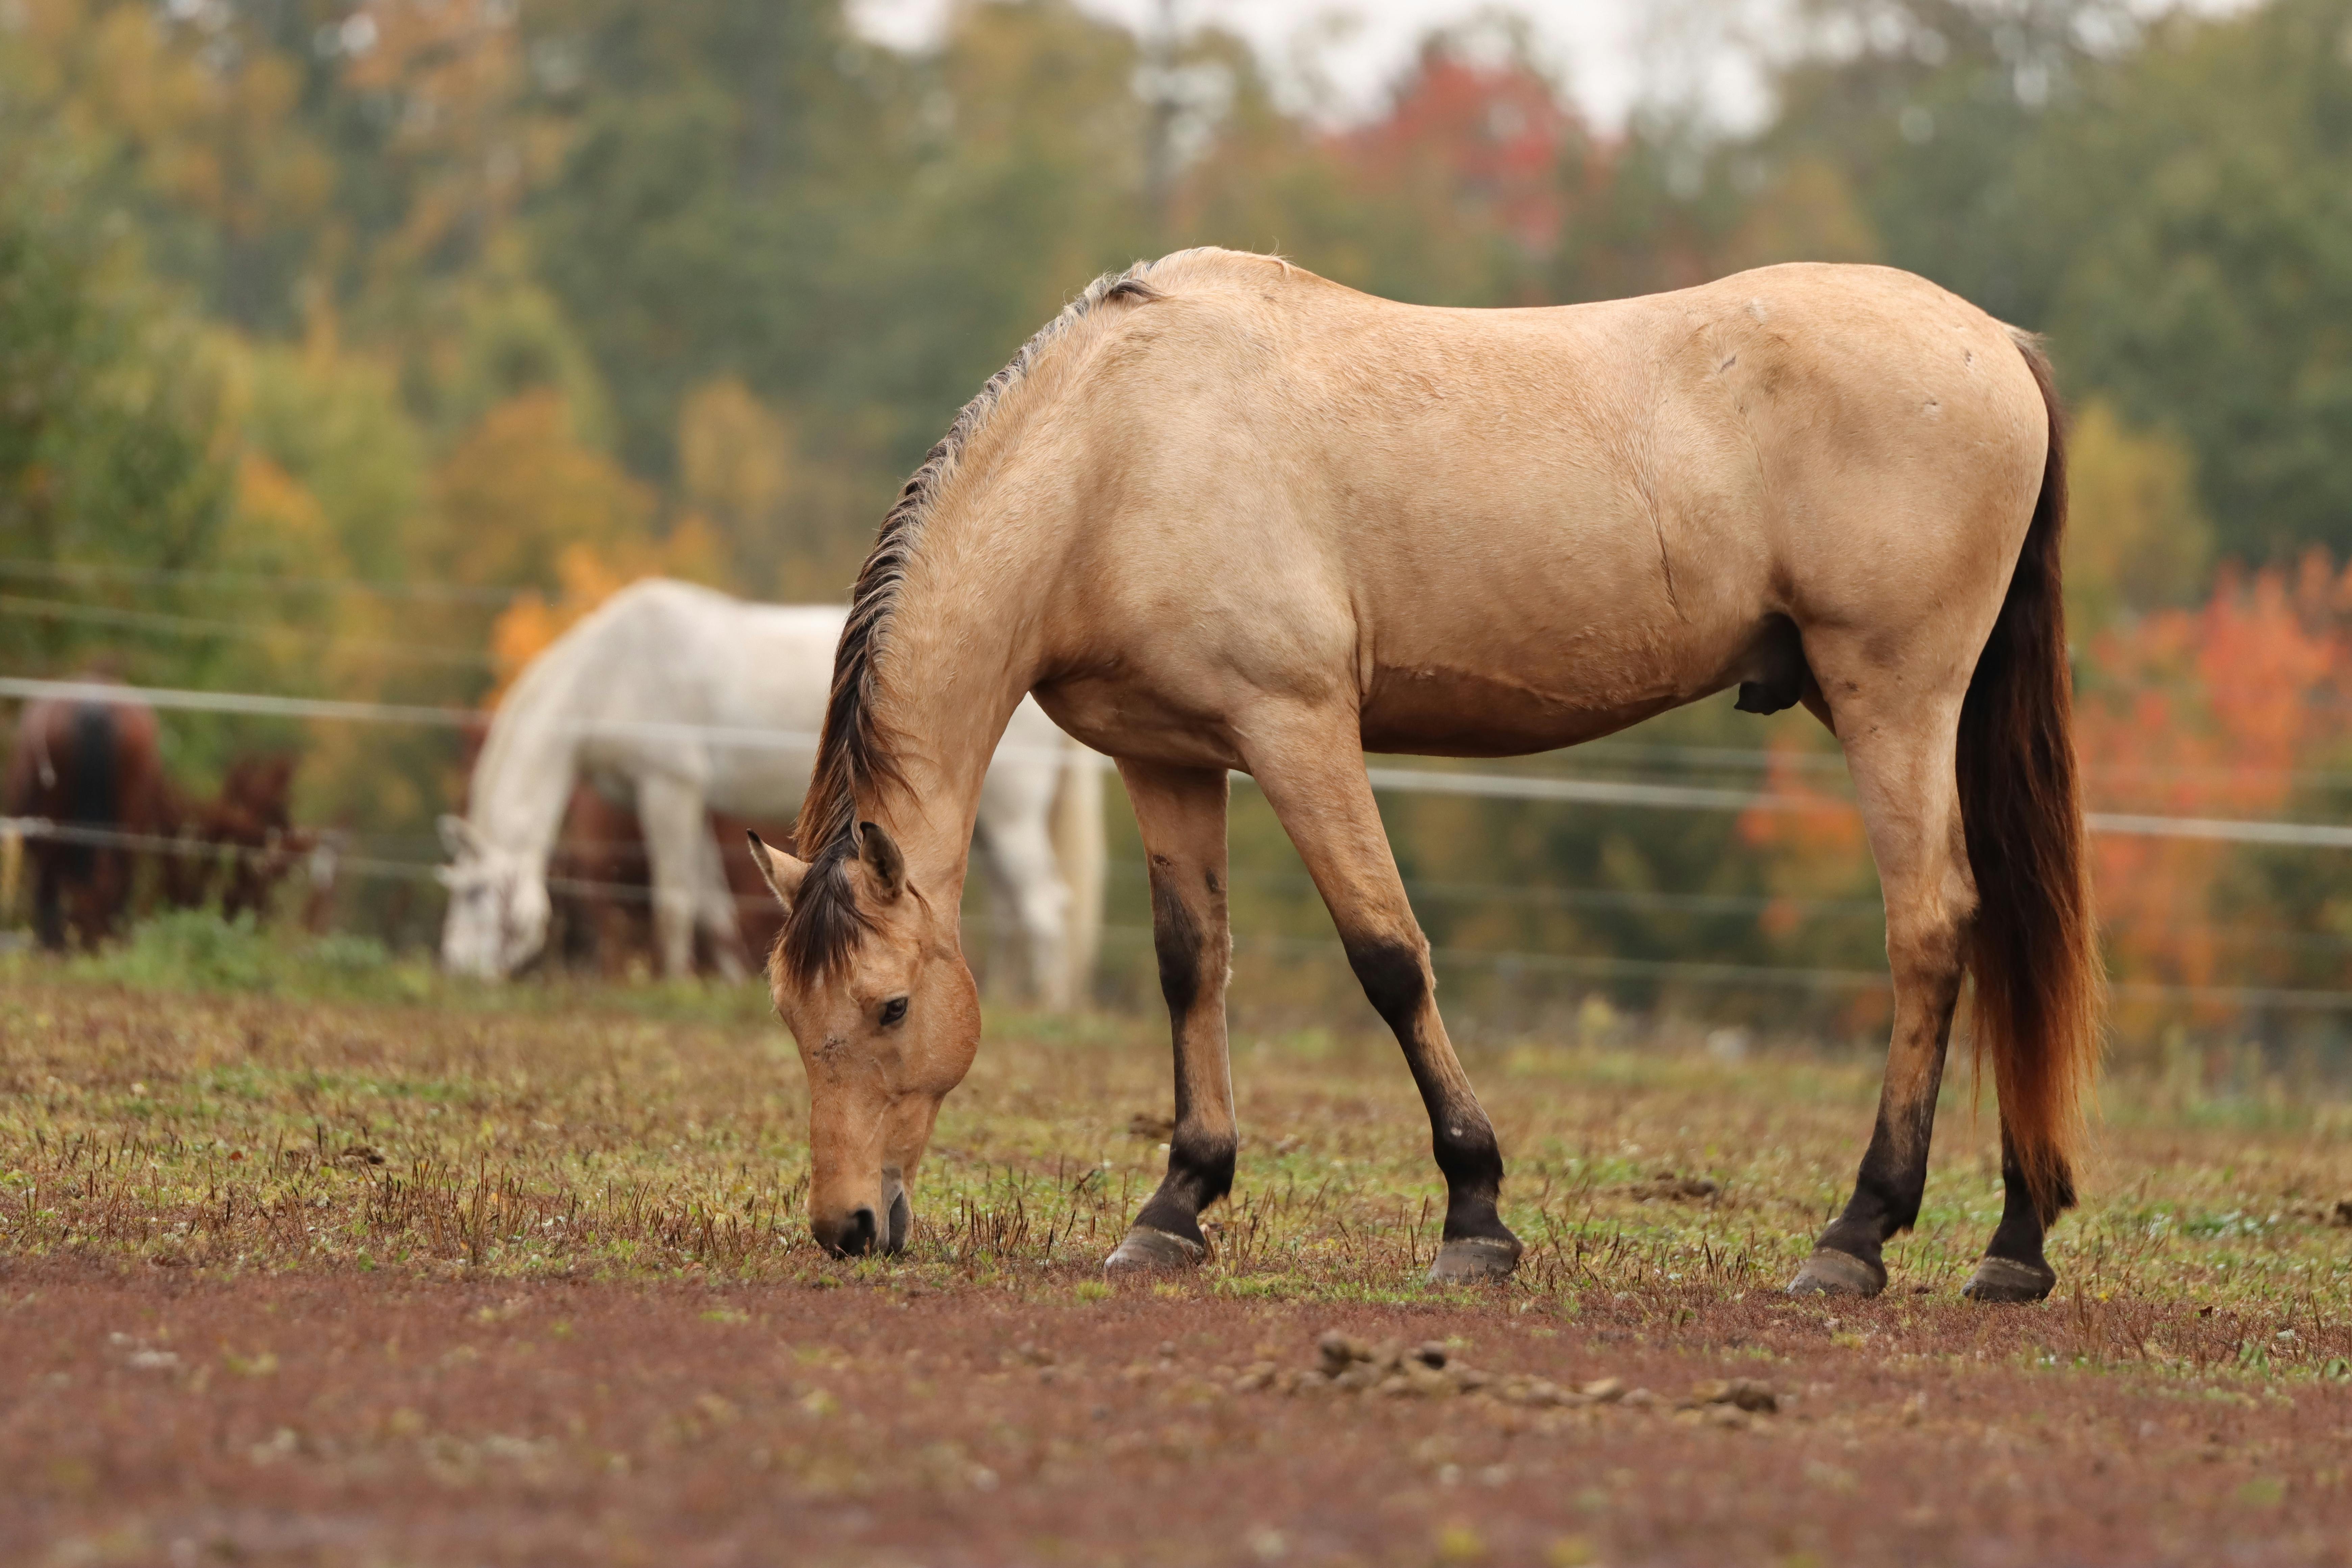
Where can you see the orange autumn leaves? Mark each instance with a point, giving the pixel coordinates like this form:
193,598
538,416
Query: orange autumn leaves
2235,708
550,504
2228,710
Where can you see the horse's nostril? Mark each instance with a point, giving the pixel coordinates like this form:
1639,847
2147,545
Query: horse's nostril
855,1237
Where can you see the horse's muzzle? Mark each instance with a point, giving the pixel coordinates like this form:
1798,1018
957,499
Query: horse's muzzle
853,1235
861,1231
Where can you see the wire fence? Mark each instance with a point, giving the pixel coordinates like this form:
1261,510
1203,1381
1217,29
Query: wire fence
1595,966
1644,794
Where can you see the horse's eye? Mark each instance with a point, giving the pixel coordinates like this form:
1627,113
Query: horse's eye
894,1011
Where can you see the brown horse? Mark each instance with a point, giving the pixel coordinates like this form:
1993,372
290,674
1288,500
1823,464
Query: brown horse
1223,513
94,770
600,886
244,839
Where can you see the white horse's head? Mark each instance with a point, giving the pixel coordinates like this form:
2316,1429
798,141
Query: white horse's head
497,906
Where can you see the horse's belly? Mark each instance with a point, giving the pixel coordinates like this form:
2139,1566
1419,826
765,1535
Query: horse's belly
1439,710
1564,646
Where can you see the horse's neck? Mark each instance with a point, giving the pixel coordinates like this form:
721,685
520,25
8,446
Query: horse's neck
958,660
524,783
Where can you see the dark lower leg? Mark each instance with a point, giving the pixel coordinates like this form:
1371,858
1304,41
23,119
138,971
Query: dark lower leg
1183,815
1394,970
1848,1258
49,909
2014,1268
1894,1175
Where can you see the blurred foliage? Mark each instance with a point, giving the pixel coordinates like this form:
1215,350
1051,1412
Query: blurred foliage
108,401
357,347
2136,538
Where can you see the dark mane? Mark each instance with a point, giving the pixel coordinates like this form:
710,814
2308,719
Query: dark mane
856,753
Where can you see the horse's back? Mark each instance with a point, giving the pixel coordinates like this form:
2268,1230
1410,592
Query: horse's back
663,651
1709,423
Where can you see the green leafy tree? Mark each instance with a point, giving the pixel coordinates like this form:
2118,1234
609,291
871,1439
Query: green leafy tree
108,422
2210,269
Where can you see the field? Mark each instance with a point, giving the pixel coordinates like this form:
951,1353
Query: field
289,1279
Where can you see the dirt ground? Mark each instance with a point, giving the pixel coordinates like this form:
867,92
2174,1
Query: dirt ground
148,1416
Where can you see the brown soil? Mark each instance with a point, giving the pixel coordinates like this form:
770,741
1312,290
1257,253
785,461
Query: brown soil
151,1414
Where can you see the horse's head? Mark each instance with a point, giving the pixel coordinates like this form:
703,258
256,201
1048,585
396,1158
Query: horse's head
498,905
870,978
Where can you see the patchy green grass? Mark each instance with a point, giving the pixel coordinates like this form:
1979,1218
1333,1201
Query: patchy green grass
211,1106
195,951
315,1238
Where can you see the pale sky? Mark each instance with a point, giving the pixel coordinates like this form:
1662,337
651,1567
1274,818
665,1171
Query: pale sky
1611,53
1600,47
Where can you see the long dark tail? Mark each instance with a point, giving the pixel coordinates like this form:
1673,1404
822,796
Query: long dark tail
94,799
2040,991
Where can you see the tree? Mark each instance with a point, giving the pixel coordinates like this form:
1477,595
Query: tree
109,414
518,488
2202,293
2136,539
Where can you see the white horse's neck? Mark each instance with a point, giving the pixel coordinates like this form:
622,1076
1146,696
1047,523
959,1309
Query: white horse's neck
522,784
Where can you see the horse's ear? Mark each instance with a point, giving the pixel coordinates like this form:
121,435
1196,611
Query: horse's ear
879,853
457,836
784,873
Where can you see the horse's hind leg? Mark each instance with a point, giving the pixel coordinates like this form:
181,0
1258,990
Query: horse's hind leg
1314,777
1903,767
671,813
2014,1268
1181,812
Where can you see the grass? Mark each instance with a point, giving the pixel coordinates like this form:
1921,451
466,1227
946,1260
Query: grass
193,950
310,1257
194,1101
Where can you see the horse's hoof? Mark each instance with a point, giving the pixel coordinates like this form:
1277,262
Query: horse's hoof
1475,1260
901,1223
1829,1272
2006,1279
1149,1251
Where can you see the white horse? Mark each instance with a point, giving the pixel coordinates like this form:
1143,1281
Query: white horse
685,700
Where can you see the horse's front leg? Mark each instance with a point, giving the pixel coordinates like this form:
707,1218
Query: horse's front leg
715,913
1181,812
1313,774
671,812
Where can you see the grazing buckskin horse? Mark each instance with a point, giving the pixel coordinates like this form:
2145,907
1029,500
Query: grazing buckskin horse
91,768
1223,513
